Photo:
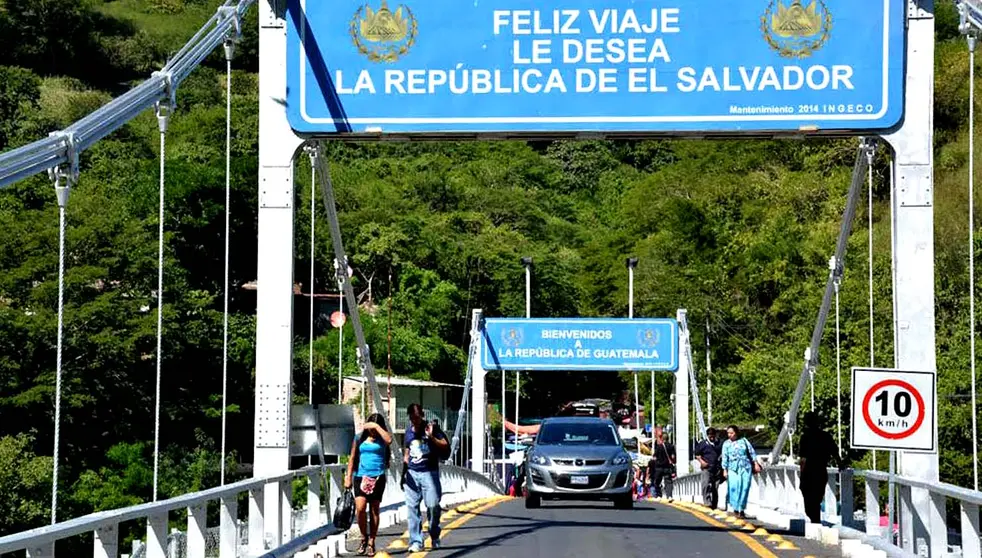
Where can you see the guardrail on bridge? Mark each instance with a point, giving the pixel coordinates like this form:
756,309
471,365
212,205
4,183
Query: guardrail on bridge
249,538
776,489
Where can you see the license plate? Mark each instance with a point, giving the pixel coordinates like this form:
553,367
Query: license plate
579,479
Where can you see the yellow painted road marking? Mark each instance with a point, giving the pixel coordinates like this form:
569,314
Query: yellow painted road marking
470,510
753,545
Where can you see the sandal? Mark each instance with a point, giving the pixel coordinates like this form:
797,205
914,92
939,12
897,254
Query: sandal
370,551
363,548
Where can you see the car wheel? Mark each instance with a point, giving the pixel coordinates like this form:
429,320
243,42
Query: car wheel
624,502
532,501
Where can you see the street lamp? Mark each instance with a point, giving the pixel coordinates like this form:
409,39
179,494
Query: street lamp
631,264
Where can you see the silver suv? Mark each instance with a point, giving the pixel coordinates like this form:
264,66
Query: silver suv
578,458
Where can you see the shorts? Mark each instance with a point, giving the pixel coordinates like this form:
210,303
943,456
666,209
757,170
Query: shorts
376,495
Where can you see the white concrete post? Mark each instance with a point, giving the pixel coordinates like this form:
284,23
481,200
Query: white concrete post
477,407
197,525
42,551
970,530
913,251
256,513
830,500
682,403
105,542
846,487
274,302
313,502
286,512
228,531
872,507
157,536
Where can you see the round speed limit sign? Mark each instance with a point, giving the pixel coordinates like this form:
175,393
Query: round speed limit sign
893,409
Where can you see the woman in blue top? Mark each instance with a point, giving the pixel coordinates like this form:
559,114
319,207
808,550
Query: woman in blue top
367,466
739,466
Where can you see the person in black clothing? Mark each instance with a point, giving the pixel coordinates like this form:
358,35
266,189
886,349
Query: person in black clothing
817,449
708,453
662,465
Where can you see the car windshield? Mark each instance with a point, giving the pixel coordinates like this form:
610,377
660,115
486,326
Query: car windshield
577,433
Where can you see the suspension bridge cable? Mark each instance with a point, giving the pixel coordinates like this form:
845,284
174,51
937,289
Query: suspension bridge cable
163,113
229,52
971,248
62,192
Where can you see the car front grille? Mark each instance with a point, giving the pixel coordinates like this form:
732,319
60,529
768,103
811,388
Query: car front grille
595,481
580,462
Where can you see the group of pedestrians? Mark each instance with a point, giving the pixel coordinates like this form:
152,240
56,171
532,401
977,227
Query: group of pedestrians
369,463
734,461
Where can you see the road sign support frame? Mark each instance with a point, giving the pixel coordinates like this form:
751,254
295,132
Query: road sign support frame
913,257
278,146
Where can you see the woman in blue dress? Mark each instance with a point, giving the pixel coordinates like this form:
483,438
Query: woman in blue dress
739,466
367,466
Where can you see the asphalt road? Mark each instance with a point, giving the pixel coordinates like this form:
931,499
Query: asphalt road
590,529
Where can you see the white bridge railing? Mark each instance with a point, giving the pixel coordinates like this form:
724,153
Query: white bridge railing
857,516
257,538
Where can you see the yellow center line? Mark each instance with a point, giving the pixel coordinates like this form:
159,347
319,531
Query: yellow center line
752,544
470,514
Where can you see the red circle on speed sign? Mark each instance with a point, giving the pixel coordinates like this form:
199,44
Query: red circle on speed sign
903,385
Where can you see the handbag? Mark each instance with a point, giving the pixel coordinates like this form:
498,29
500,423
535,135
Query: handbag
753,462
344,513
368,485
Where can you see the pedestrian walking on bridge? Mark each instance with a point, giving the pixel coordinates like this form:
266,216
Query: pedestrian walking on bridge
708,453
739,466
367,467
661,468
817,449
425,442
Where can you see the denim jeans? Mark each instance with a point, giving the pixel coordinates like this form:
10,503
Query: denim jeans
423,486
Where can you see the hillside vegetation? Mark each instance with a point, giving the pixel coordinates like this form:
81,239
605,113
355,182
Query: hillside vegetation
737,232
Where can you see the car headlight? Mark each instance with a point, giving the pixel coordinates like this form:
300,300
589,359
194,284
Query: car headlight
621,459
539,460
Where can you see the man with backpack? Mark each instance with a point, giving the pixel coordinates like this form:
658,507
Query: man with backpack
426,444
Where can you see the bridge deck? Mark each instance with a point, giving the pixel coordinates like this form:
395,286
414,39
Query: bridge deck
505,528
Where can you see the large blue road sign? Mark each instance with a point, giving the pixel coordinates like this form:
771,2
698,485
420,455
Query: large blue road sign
580,344
617,66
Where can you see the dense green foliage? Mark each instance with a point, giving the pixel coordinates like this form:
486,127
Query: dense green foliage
738,232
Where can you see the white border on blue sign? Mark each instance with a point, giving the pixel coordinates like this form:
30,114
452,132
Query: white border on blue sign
594,119
672,366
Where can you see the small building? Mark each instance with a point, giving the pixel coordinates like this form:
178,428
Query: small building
440,401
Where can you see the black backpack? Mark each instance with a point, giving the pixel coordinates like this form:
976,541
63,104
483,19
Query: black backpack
442,454
344,513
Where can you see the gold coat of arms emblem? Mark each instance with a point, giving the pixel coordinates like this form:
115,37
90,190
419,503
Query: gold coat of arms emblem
796,30
383,35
